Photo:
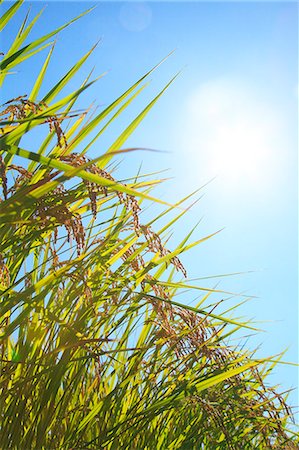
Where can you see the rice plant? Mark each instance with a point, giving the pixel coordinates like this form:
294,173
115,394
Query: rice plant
96,350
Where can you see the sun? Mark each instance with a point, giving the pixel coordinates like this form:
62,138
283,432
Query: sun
230,132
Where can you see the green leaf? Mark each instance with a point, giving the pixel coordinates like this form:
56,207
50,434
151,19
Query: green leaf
37,85
68,170
63,82
25,52
7,16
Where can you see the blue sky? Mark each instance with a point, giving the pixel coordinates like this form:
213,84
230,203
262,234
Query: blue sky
231,116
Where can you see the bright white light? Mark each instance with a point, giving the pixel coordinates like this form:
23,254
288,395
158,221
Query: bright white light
230,132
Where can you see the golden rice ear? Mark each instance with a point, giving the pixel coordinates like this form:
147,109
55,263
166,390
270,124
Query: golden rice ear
3,177
19,109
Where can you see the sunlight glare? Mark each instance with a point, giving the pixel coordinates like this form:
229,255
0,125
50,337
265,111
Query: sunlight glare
229,132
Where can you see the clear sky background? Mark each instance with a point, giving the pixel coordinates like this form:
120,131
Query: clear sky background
230,116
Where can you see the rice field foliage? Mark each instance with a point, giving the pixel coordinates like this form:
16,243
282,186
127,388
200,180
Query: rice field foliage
98,351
